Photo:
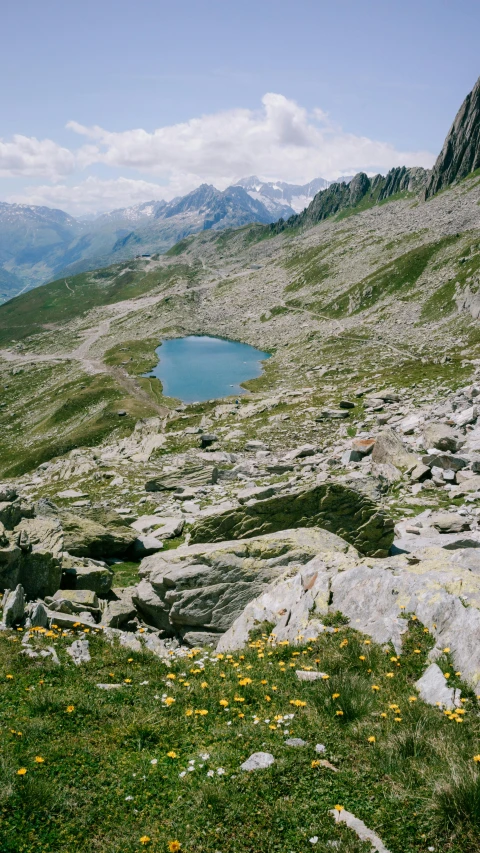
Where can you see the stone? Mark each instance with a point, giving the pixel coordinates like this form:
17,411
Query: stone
7,493
363,446
309,675
79,652
256,493
389,449
190,475
207,587
66,620
446,461
346,404
258,761
433,689
420,473
362,831
13,607
467,416
37,615
153,608
320,748
168,527
341,509
332,415
95,578
110,686
449,522
71,493
295,742
145,545
302,452
207,439
254,444
442,437
86,538
82,597
351,455
40,568
120,609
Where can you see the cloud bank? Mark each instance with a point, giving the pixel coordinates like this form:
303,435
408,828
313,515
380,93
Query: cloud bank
279,141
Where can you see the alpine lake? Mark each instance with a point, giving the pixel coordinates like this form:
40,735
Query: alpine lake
198,368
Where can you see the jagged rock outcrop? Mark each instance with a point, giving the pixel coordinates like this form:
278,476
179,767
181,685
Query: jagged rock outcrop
460,154
342,196
341,509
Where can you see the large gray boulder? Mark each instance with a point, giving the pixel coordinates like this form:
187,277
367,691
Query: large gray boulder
389,449
206,587
87,538
442,437
41,544
192,474
333,506
120,608
433,689
374,595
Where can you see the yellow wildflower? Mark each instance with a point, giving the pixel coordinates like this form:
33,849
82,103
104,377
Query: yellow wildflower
172,754
144,839
174,846
371,739
22,771
70,708
39,759
169,700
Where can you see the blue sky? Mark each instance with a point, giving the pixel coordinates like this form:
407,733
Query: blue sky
113,102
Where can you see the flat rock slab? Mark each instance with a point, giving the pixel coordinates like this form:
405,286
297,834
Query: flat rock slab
295,741
258,761
110,686
79,652
332,506
358,826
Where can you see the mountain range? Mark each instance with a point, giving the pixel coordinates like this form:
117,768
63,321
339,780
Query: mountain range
38,244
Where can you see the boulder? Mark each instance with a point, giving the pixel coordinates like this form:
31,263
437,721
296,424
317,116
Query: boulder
145,545
13,607
7,493
204,588
191,475
87,538
363,446
120,608
449,522
333,506
467,416
444,460
41,543
389,449
442,437
37,615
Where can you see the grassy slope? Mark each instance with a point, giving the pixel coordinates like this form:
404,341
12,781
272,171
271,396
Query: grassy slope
97,788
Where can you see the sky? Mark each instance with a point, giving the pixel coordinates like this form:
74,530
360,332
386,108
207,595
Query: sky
109,103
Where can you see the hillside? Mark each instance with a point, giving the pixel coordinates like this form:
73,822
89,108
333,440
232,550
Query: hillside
252,623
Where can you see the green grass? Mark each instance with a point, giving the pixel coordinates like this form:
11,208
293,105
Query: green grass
397,277
98,790
57,303
135,357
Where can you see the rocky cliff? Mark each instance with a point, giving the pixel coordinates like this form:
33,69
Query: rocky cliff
460,154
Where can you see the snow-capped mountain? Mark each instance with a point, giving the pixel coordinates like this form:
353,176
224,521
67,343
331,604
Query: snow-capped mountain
277,194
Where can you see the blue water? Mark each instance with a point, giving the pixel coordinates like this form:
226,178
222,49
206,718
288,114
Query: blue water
198,368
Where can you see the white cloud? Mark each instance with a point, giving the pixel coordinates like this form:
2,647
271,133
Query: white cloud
31,157
92,195
279,141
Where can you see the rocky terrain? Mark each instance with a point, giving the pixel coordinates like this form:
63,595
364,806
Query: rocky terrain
339,496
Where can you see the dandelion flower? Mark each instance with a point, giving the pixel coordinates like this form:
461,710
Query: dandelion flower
127,681
189,712
172,754
39,759
9,676
169,700
338,808
171,676
224,703
477,758
375,687
70,708
144,839
446,650
22,771
371,739
446,674
335,695
339,713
